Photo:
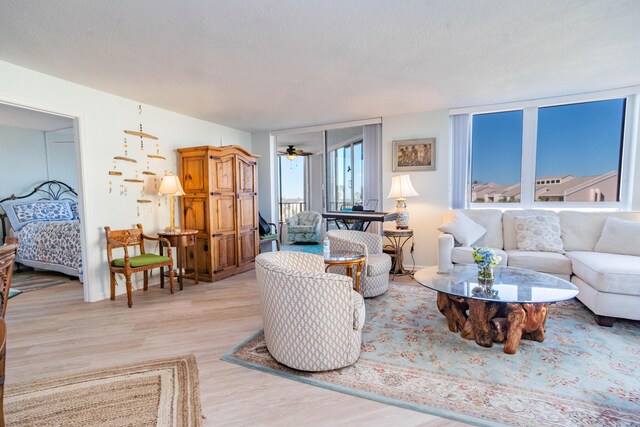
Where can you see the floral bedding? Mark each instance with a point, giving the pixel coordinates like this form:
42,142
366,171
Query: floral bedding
51,245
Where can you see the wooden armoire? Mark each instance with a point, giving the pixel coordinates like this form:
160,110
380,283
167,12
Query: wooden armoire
221,202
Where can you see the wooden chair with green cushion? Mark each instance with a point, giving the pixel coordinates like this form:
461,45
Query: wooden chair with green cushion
133,264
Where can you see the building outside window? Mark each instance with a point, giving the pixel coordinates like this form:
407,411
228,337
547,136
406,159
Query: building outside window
570,153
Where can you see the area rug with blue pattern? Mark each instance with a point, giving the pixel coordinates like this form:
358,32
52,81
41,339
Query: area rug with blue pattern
582,374
301,247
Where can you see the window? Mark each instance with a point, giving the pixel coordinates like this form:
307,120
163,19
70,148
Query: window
496,154
293,197
570,153
345,168
582,144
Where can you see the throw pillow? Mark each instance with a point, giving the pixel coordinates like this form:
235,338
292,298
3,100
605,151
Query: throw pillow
74,210
538,233
463,229
21,213
619,237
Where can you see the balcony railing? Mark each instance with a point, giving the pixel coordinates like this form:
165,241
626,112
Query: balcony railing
289,209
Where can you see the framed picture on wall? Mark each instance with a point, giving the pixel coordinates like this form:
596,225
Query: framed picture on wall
414,155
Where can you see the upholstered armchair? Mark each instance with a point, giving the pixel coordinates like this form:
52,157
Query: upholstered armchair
375,273
312,320
305,227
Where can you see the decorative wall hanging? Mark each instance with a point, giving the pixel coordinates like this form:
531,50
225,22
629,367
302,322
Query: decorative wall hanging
125,159
141,133
414,155
123,166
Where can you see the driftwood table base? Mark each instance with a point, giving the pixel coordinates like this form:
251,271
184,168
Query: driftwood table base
491,321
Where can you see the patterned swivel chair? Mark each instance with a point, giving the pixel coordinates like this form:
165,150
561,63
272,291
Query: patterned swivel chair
305,227
375,273
312,320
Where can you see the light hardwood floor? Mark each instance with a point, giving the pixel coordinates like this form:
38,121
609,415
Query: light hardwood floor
53,332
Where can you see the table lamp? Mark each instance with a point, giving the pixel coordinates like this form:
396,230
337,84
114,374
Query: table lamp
401,188
170,186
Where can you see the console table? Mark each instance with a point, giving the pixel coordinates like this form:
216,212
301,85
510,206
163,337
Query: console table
181,239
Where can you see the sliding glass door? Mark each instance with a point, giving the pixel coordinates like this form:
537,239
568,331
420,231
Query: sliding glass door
345,165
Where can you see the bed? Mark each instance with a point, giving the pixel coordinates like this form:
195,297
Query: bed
47,225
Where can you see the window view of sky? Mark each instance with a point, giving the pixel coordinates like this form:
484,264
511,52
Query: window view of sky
497,147
292,175
579,139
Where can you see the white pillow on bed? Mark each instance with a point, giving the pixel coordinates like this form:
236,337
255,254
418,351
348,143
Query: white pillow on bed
21,213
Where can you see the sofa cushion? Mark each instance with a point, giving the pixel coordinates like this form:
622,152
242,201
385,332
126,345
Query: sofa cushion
491,220
610,273
378,264
464,255
538,233
509,225
581,230
619,237
463,229
544,262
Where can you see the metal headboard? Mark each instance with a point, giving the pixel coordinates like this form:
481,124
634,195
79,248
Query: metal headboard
48,190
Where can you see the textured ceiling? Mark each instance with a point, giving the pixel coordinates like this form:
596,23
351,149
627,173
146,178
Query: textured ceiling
266,65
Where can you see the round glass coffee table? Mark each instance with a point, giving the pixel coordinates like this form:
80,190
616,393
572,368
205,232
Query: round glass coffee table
348,260
513,307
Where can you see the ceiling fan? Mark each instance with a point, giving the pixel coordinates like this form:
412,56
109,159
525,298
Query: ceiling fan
292,153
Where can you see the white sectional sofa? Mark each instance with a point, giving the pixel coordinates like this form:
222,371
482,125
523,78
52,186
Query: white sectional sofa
609,283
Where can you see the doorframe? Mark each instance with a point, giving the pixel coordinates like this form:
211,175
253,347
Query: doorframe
78,120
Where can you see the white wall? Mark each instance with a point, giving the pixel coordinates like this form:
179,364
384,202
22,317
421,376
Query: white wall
316,174
427,209
61,156
635,202
30,157
264,146
23,160
102,118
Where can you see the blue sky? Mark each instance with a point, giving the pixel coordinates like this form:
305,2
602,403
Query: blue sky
578,139
292,173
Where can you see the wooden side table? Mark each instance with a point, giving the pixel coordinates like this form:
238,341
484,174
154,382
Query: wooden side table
398,239
181,239
348,260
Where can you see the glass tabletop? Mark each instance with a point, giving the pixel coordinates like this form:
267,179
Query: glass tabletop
511,284
337,256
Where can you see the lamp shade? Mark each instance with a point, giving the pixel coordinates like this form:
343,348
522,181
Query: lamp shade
171,186
401,188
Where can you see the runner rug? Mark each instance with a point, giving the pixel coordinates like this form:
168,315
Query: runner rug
156,393
582,374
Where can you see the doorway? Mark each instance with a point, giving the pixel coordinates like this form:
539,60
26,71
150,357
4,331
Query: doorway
40,200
